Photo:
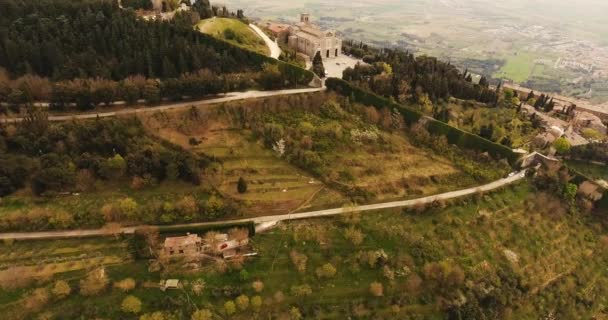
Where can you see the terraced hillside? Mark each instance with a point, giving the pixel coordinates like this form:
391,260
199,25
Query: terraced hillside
310,151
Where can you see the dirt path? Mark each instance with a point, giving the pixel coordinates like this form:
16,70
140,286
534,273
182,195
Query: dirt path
275,51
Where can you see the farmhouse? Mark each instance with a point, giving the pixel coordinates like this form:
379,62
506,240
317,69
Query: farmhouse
277,29
309,39
191,245
188,245
587,120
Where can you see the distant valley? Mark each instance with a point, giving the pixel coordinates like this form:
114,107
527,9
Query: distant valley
556,47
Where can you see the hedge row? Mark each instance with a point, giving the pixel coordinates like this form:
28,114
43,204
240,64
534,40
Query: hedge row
201,229
454,135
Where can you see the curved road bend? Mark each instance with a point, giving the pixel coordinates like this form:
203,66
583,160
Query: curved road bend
275,51
304,215
233,96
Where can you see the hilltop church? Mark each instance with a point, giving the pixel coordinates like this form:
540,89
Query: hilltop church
307,38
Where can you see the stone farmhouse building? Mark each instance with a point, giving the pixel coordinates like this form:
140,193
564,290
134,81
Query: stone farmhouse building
307,38
191,245
188,245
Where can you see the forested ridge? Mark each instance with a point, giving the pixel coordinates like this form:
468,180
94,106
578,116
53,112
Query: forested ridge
403,76
88,52
94,38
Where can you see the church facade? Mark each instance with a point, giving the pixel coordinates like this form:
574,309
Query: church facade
307,38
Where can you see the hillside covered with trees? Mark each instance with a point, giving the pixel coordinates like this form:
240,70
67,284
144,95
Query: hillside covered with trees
93,38
87,52
405,77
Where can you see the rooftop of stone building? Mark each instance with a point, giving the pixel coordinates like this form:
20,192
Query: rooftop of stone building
190,239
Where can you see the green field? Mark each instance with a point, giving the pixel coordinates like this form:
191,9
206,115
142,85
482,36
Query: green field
235,32
517,67
591,170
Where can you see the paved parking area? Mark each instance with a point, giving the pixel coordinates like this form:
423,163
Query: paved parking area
335,66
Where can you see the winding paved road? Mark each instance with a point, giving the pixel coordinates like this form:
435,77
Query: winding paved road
233,96
275,51
268,219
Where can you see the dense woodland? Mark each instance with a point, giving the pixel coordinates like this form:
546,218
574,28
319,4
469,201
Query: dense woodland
50,156
93,38
402,76
590,152
87,52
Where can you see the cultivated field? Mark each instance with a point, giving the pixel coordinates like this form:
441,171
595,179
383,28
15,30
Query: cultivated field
506,122
274,186
327,157
517,248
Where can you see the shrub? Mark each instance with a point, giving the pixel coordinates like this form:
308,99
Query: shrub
37,300
295,314
256,303
230,307
125,285
242,185
244,275
61,289
354,235
94,283
131,304
187,206
202,314
301,290
128,207
258,286
326,271
376,289
298,260
278,297
561,145
242,302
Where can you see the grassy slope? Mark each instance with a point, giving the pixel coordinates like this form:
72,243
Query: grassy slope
594,171
506,122
245,37
276,187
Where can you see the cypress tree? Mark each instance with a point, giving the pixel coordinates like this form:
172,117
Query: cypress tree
317,65
241,185
169,68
